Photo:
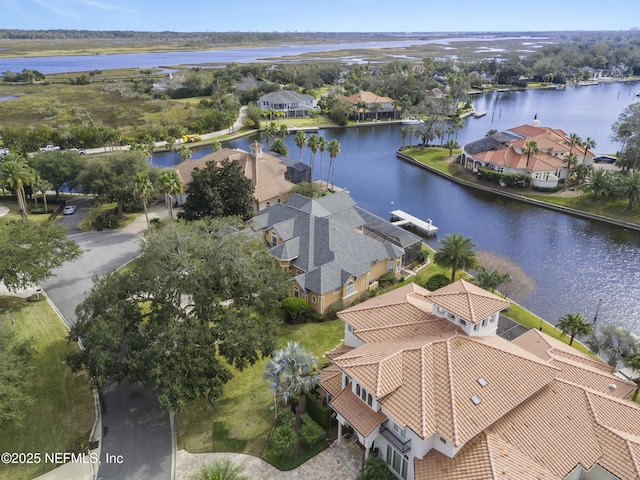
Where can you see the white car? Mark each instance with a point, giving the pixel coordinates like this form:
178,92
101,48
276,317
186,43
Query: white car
69,210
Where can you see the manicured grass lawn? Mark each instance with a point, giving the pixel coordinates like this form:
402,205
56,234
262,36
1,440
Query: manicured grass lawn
96,210
616,209
14,213
63,410
435,157
243,417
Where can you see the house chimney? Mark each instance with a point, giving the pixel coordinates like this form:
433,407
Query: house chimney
256,153
536,122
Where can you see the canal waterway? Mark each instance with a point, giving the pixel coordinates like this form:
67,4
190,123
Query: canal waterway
575,262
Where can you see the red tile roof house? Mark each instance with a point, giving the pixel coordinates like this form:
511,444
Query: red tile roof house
369,106
503,152
427,385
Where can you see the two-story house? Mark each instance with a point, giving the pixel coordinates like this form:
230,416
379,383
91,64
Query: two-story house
506,152
292,104
268,173
427,385
369,106
325,246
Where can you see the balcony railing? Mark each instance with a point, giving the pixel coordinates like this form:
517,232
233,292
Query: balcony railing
401,444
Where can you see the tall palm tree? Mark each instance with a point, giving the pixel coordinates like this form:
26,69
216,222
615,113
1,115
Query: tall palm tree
574,324
15,172
456,252
313,143
292,371
301,141
171,184
615,343
571,160
143,189
42,186
530,148
322,146
334,150
216,145
632,361
588,144
270,132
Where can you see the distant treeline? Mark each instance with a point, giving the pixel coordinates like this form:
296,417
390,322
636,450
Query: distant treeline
213,37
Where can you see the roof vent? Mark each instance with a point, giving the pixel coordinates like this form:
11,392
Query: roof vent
476,400
483,382
612,386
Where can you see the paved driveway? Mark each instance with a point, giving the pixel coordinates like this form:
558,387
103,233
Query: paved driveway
136,441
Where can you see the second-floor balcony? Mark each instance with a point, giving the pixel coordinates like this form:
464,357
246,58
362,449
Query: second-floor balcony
403,445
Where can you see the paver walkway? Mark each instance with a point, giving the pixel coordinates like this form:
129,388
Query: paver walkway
338,462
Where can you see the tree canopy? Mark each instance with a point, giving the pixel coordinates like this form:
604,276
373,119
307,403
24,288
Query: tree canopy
219,190
29,252
201,298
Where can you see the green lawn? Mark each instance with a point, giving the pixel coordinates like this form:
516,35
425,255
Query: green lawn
63,410
243,417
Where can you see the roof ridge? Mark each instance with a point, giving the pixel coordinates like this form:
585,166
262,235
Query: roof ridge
529,356
454,419
423,393
636,461
491,463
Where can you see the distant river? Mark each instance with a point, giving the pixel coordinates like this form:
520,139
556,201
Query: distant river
575,262
84,63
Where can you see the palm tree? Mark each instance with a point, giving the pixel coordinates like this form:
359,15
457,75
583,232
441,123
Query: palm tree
334,150
313,143
283,131
490,279
597,181
216,145
571,160
456,252
278,146
291,372
322,146
615,343
143,189
185,153
171,184
270,132
574,324
15,172
629,189
42,186
220,470
530,148
405,132
632,361
588,144
301,141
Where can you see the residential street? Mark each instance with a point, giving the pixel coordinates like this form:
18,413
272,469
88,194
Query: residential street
136,433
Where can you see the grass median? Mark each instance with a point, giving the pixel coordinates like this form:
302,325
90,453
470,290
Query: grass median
63,409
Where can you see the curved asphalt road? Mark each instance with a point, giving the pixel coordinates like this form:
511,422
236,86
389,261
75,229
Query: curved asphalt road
136,432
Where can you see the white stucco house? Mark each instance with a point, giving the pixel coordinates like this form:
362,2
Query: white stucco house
426,384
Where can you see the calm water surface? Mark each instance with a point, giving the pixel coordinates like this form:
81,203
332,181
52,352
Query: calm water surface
574,262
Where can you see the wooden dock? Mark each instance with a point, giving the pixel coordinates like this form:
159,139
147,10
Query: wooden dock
479,114
401,218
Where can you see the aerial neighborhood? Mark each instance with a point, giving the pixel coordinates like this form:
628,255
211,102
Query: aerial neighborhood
230,269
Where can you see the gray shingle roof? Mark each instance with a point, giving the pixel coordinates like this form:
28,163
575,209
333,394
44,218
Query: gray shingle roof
321,237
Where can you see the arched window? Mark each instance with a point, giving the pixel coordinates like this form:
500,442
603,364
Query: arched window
350,288
296,292
274,238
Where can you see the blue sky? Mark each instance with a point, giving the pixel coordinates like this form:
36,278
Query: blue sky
321,16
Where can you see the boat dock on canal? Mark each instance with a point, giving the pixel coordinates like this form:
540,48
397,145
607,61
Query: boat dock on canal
402,218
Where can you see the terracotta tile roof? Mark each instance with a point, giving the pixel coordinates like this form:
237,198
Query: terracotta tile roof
575,366
359,415
404,312
336,352
426,383
468,301
268,180
487,457
367,97
331,380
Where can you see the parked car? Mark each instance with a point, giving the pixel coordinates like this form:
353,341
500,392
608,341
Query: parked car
49,148
604,158
69,210
79,151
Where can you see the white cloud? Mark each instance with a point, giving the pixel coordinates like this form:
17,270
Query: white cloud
65,12
107,6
